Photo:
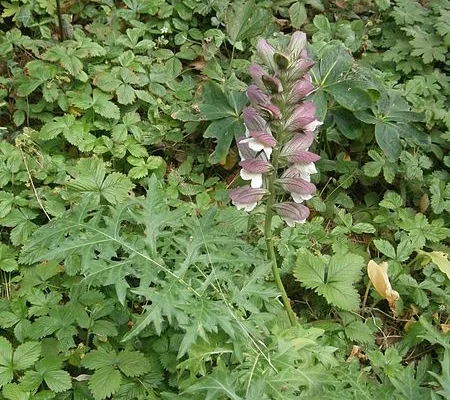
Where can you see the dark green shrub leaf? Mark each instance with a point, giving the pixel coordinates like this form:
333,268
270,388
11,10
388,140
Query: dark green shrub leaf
388,138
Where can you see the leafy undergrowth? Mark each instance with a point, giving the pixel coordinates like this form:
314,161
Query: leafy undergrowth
125,272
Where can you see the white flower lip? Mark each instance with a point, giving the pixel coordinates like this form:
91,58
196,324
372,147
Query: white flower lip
246,207
311,127
258,146
256,178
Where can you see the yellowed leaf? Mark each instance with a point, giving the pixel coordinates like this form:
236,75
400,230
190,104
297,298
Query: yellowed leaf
445,328
439,258
380,280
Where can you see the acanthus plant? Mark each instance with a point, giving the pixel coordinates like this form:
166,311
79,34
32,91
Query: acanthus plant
280,126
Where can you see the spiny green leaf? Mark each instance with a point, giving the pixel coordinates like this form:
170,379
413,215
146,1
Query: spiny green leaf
219,383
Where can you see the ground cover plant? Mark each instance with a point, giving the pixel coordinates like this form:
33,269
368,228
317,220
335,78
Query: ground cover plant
224,199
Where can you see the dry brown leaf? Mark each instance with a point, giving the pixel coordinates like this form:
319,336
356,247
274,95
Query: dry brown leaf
445,328
199,64
356,352
424,203
380,280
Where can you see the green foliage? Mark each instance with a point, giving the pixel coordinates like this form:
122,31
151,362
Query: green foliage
125,274
331,278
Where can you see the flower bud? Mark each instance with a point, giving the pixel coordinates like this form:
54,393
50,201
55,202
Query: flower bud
302,88
266,53
292,213
254,121
272,83
253,170
296,150
246,197
258,98
299,188
302,115
257,72
299,68
281,61
296,45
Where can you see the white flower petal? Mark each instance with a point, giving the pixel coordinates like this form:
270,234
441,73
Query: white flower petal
289,222
268,152
247,207
255,145
247,132
256,178
305,170
311,127
300,198
257,181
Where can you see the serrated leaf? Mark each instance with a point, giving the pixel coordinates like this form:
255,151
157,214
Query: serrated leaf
125,94
6,355
104,328
132,363
363,227
359,332
8,261
67,57
440,195
115,187
13,391
6,375
244,20
385,247
58,381
6,352
60,125
102,105
298,15
392,201
98,358
439,258
333,280
105,382
27,87
138,172
90,179
107,82
26,355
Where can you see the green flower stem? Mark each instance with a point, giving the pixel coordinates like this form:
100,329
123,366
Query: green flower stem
269,239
